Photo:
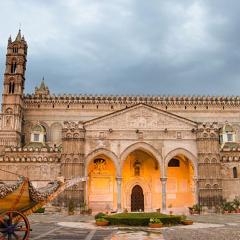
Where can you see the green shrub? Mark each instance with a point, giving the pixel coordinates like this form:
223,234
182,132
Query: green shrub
183,217
100,215
228,206
155,220
101,220
141,219
40,210
236,202
71,206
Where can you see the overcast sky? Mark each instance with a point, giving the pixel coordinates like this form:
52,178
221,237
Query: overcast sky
155,47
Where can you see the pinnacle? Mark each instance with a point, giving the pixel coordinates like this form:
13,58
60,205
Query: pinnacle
10,39
18,37
42,85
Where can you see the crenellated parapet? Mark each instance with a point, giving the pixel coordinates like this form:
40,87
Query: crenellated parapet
231,158
17,154
230,152
73,131
124,99
45,149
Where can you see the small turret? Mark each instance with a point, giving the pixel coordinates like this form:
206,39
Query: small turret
42,90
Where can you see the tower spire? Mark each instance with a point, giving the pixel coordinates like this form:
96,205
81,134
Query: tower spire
18,37
42,85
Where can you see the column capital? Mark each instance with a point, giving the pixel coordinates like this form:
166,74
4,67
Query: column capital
119,179
163,179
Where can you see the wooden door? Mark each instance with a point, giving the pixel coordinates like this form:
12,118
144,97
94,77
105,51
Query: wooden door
137,199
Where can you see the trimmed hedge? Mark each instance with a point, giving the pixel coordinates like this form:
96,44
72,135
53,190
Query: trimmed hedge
100,215
141,219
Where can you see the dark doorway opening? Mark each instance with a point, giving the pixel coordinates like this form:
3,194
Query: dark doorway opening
137,199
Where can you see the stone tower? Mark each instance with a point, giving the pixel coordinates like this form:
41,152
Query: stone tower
209,166
72,160
13,87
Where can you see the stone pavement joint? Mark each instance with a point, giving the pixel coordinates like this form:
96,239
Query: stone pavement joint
90,235
47,233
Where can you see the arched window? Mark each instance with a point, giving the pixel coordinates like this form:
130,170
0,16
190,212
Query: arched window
11,87
38,134
235,173
137,166
14,67
174,163
229,137
15,49
56,133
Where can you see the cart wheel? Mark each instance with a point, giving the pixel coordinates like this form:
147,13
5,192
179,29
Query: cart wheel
14,225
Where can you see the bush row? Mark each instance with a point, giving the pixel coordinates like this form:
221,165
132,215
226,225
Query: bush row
141,219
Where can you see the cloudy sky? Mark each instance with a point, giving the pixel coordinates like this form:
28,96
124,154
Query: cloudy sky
155,47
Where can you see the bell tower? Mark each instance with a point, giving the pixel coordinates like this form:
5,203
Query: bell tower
12,96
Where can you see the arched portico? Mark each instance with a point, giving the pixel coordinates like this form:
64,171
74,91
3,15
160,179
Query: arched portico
140,165
101,188
105,152
180,169
181,151
145,147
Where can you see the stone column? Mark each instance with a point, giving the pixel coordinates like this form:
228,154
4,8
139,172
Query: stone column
164,182
86,190
119,195
195,189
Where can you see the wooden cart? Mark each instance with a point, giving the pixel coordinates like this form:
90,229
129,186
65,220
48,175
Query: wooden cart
21,199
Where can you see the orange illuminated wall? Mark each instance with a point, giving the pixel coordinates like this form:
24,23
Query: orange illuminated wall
148,179
180,184
102,189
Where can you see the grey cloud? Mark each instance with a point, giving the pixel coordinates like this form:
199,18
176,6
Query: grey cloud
128,47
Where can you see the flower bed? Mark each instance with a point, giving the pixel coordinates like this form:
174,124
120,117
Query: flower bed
141,219
102,222
155,223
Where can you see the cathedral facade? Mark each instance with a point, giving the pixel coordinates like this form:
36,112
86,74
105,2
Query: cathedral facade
139,153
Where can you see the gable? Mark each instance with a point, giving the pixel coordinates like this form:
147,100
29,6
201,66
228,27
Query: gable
140,116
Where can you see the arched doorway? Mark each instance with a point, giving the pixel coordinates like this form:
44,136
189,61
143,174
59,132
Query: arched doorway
137,199
141,177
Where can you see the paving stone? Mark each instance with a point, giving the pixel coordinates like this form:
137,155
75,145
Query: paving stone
210,227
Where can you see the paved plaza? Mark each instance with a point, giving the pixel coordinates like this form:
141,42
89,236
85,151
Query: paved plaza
63,227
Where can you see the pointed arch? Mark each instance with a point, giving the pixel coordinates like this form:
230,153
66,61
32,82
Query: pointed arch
181,151
56,132
146,147
9,111
102,151
45,125
14,66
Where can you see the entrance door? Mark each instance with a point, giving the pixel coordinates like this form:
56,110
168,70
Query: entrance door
137,199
